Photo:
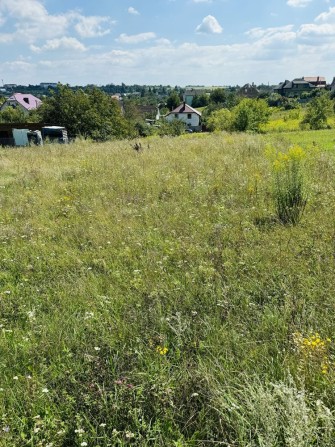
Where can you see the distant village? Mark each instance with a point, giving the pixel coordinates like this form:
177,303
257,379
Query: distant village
151,103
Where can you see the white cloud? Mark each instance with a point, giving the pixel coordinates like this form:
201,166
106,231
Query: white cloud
163,41
64,43
135,38
209,25
253,60
133,11
6,38
326,16
263,32
92,26
298,3
32,22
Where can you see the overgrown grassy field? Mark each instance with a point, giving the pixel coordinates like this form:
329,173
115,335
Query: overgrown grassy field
153,299
289,121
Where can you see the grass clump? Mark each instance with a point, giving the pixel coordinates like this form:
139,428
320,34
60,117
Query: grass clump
289,186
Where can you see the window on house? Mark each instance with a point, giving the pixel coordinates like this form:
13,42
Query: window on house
26,100
189,116
176,115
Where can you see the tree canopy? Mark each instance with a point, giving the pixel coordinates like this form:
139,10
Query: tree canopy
318,110
249,114
89,113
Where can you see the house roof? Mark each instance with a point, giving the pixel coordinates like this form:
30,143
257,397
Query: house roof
195,91
297,81
184,108
28,101
314,78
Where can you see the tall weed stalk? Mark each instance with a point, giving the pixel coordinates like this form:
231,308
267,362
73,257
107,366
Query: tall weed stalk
289,185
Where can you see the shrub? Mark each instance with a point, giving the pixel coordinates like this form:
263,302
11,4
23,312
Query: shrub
249,114
219,120
318,110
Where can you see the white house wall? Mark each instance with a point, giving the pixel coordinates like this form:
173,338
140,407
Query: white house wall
194,121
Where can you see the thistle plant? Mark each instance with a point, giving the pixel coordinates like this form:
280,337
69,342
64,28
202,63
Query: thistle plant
289,186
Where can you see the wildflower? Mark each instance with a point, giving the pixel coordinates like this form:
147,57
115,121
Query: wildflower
96,348
45,390
162,350
6,429
296,153
79,431
102,425
15,378
129,435
83,444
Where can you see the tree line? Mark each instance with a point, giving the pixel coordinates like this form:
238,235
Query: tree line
92,113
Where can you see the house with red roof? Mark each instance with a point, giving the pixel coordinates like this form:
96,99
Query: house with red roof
185,113
22,101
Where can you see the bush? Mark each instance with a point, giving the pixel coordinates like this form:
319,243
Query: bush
249,114
318,110
173,128
219,120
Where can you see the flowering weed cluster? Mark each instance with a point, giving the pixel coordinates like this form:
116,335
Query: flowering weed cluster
162,350
289,188
313,352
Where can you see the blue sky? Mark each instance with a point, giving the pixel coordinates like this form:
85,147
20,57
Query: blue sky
176,42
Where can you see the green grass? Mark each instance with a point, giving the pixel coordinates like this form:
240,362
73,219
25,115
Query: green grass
109,256
288,121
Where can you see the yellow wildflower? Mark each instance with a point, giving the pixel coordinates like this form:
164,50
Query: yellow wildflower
162,350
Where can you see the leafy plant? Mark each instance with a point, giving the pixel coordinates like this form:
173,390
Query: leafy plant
289,189
249,114
318,110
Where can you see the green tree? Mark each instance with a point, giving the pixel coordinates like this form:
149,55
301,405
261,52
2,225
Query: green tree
317,112
13,115
249,114
219,120
90,113
173,100
200,100
218,96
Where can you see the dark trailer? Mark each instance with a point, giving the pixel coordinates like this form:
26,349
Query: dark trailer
55,134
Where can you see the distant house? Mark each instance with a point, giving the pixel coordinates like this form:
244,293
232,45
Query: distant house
185,113
332,85
9,86
148,111
190,93
24,102
47,85
318,81
294,88
249,91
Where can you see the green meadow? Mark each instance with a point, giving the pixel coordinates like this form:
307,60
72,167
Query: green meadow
154,298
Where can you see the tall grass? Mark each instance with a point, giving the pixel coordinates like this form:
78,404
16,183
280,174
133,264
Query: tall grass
289,185
142,303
